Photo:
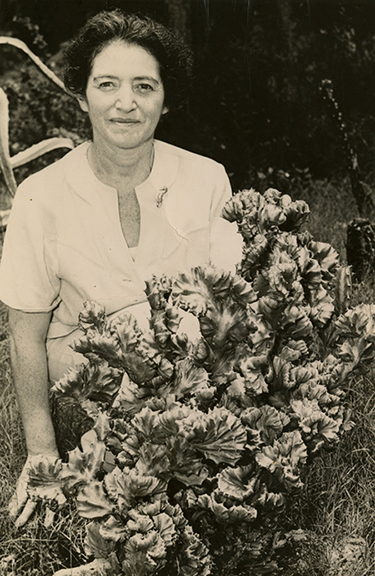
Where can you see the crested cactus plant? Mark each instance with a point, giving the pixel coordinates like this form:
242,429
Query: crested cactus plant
207,420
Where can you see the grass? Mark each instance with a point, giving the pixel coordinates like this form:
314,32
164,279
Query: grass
338,500
337,505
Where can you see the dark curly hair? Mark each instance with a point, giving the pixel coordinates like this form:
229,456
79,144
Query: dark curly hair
172,54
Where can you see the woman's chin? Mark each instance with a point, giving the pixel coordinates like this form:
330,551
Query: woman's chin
126,141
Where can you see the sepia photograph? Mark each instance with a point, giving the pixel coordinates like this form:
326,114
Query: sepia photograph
187,286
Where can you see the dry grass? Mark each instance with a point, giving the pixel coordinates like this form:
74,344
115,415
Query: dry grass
338,501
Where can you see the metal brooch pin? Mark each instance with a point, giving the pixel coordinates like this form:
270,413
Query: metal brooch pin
160,197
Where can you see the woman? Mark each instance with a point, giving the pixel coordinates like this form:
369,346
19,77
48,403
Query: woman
102,220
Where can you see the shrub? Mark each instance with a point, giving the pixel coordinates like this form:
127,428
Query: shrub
206,420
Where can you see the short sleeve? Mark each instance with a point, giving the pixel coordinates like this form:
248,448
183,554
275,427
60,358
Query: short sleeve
225,241
28,281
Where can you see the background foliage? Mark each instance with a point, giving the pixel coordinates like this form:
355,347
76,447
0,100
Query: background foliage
256,102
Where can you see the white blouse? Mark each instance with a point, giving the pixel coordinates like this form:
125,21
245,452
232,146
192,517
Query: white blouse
65,245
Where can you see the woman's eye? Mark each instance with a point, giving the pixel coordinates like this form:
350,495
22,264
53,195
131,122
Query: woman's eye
144,87
107,85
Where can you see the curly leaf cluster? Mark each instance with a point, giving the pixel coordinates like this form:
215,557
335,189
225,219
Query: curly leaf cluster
209,417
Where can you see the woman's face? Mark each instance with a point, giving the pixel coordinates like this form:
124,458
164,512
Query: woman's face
124,96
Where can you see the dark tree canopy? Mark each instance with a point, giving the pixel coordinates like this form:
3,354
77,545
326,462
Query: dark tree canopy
259,63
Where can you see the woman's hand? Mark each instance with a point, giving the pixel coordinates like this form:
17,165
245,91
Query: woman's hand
30,374
21,506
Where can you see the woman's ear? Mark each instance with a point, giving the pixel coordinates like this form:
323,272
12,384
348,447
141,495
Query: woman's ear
165,110
83,103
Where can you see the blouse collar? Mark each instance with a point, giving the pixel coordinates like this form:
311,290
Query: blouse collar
82,178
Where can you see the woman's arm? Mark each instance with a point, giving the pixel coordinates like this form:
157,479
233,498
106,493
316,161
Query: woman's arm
30,374
28,333
225,241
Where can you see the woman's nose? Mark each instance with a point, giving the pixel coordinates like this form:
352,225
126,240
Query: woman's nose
125,99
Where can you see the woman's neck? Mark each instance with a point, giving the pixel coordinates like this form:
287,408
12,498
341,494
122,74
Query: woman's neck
121,168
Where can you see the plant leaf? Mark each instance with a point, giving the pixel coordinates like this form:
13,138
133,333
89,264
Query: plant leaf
92,501
219,435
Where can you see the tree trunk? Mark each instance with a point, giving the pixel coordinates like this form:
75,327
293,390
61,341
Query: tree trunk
287,25
180,17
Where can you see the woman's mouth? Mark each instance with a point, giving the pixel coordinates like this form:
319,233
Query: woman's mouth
124,121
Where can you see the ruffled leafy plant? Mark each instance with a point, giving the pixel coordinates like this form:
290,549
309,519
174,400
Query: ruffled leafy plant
201,426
